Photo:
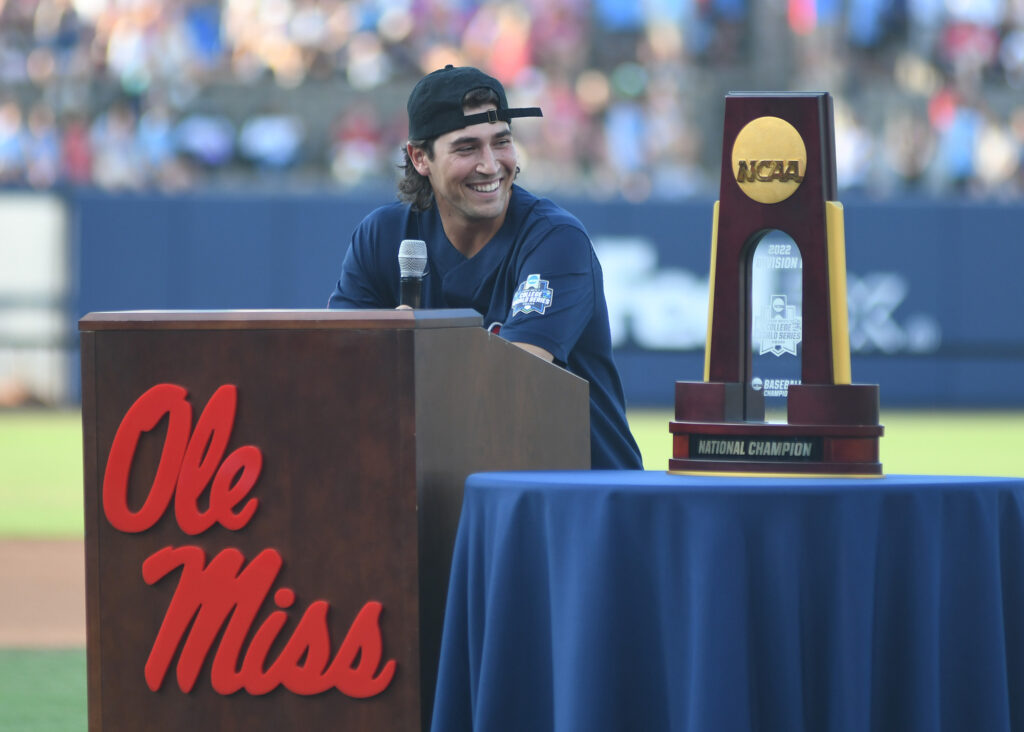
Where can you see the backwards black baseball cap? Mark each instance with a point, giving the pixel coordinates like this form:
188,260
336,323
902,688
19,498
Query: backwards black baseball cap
435,104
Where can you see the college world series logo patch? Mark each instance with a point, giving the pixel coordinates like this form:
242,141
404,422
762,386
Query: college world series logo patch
532,296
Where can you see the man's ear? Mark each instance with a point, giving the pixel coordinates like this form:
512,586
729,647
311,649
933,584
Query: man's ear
419,159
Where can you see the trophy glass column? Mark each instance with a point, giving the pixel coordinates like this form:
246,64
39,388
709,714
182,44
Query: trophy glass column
776,335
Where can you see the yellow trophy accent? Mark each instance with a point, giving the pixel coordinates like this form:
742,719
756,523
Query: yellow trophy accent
711,292
836,244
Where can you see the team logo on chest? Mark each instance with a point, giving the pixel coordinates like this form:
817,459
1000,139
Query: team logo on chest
532,296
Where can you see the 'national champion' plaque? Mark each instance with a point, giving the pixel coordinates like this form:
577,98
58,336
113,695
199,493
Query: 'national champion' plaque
778,291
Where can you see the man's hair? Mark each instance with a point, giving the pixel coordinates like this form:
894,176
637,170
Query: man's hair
414,188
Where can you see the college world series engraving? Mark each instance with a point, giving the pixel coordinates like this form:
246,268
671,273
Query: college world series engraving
778,181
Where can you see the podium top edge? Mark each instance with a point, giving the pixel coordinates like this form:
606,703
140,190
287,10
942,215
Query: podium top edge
278,319
778,94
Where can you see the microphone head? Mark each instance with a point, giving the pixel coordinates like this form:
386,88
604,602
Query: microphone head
412,258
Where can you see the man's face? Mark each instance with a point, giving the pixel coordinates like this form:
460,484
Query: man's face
472,171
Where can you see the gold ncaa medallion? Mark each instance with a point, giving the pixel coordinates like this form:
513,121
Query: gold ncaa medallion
769,159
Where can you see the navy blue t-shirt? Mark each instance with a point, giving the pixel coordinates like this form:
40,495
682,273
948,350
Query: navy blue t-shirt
538,278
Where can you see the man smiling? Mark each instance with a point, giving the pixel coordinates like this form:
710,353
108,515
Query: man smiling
523,262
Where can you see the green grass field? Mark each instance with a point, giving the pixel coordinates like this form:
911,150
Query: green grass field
41,457
41,473
41,496
43,691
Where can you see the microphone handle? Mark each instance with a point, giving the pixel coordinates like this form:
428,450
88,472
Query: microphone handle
410,291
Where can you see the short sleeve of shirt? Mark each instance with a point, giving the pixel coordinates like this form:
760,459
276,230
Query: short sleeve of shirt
553,297
361,285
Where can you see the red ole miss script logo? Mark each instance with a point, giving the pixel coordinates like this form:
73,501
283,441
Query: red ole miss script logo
222,598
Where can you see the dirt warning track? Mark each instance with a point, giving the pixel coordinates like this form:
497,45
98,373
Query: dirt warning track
42,593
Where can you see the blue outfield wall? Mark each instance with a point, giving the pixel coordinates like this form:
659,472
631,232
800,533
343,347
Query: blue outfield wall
934,293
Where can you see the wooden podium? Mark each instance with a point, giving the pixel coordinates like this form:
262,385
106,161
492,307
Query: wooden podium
271,499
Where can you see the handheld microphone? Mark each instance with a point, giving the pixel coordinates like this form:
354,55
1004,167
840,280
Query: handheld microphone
412,264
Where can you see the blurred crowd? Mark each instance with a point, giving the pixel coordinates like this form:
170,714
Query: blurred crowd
177,94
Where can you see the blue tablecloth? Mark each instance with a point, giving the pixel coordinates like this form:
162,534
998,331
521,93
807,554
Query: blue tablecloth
642,601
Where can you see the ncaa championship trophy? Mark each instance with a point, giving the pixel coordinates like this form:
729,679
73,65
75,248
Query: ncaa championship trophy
778,180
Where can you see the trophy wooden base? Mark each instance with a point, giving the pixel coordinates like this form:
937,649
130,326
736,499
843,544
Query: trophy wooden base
830,429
